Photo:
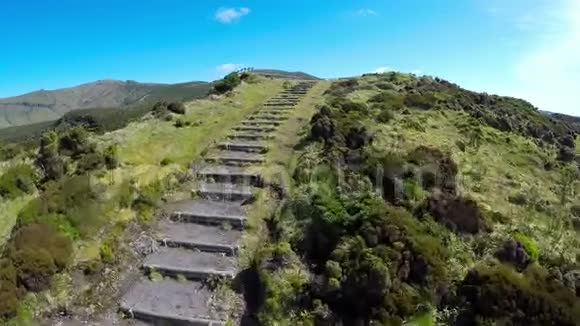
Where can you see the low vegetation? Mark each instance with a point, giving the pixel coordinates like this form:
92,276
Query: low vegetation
75,194
415,200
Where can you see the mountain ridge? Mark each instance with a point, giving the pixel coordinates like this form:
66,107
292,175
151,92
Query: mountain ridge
45,105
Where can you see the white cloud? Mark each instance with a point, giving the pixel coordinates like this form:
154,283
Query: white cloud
229,15
548,73
382,70
417,71
226,68
365,12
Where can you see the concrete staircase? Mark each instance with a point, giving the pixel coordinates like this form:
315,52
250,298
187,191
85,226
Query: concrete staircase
199,238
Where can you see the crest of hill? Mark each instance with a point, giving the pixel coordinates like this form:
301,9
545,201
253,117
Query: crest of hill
49,105
281,74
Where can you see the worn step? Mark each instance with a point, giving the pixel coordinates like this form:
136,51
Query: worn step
208,212
254,128
286,98
257,122
171,302
289,101
244,146
225,191
271,117
214,238
231,174
229,157
279,104
251,136
193,265
277,112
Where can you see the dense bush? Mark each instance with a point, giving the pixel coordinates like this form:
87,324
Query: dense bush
227,84
48,159
499,293
374,263
176,107
384,114
322,125
71,205
391,100
75,143
17,181
458,213
420,101
111,156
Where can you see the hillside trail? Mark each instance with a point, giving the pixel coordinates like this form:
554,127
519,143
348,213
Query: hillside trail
188,279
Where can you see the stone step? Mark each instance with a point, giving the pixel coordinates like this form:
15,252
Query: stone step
201,237
170,302
225,191
270,111
271,117
244,146
292,92
279,104
193,265
250,136
286,98
207,212
230,157
257,122
231,174
254,128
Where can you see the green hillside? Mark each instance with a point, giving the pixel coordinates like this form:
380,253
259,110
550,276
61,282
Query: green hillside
415,201
42,106
282,74
388,199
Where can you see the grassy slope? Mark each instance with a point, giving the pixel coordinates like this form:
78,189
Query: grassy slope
50,105
142,146
506,164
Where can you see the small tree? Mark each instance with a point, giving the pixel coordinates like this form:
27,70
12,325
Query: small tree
48,160
228,83
568,183
176,107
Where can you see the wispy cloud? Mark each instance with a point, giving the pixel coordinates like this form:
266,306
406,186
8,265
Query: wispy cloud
226,68
382,70
548,73
230,15
365,12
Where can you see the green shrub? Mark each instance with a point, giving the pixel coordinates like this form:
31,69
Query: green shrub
166,161
176,107
111,156
227,84
71,205
75,143
35,268
529,245
9,300
180,123
90,162
147,201
420,101
17,181
48,159
390,100
499,293
39,236
385,116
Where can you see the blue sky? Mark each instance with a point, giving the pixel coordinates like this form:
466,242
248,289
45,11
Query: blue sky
524,48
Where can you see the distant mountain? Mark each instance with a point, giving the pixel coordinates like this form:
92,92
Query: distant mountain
281,74
573,122
45,105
